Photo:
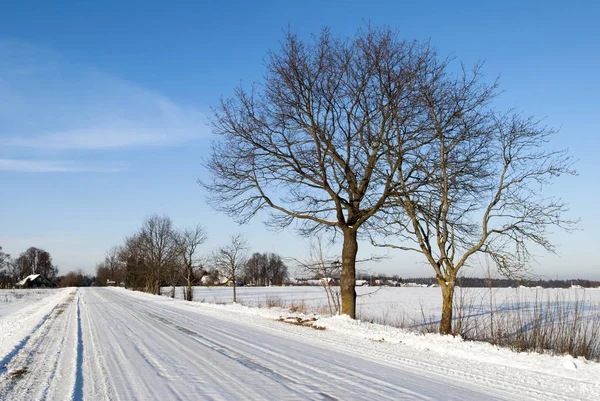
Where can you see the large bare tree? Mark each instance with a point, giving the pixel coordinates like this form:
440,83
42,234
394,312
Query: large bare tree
231,258
479,186
317,141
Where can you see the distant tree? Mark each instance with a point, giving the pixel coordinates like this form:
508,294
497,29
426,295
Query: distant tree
3,258
320,141
265,269
188,241
69,280
159,249
277,270
35,261
114,265
7,273
135,263
254,268
76,279
477,188
102,274
231,258
111,268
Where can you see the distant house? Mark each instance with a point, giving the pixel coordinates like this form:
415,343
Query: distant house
35,281
321,281
360,283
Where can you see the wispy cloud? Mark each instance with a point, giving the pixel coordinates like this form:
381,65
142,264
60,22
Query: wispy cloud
51,166
49,103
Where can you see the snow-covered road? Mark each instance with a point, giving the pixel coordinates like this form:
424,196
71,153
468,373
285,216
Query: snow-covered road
119,345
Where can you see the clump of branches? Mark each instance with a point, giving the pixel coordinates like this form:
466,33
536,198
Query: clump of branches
326,269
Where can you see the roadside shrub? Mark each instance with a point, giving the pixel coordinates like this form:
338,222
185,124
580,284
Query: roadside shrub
557,325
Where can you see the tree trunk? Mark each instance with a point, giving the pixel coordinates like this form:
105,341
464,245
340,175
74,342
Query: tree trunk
348,275
189,290
448,297
234,293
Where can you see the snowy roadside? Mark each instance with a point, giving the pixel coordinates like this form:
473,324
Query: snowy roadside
563,374
24,317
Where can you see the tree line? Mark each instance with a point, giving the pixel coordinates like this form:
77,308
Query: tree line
159,255
511,282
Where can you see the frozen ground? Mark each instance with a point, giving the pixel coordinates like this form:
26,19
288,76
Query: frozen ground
114,344
21,312
13,300
400,306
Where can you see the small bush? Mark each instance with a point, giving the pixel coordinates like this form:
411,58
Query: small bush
274,302
299,307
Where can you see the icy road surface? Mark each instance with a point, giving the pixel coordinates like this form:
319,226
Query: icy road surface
113,344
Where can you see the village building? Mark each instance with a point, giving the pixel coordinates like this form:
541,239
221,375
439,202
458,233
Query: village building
35,281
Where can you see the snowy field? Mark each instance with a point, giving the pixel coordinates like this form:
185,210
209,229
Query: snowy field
402,306
13,300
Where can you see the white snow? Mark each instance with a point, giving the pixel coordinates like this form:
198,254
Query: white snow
21,312
399,306
111,343
31,277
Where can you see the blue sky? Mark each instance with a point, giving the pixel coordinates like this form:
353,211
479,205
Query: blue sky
103,108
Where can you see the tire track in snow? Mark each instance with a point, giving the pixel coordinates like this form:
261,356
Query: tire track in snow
430,369
170,346
78,387
331,375
298,369
214,373
289,383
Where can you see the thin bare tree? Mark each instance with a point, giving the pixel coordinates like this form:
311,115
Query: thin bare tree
325,268
478,187
318,141
188,241
231,258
